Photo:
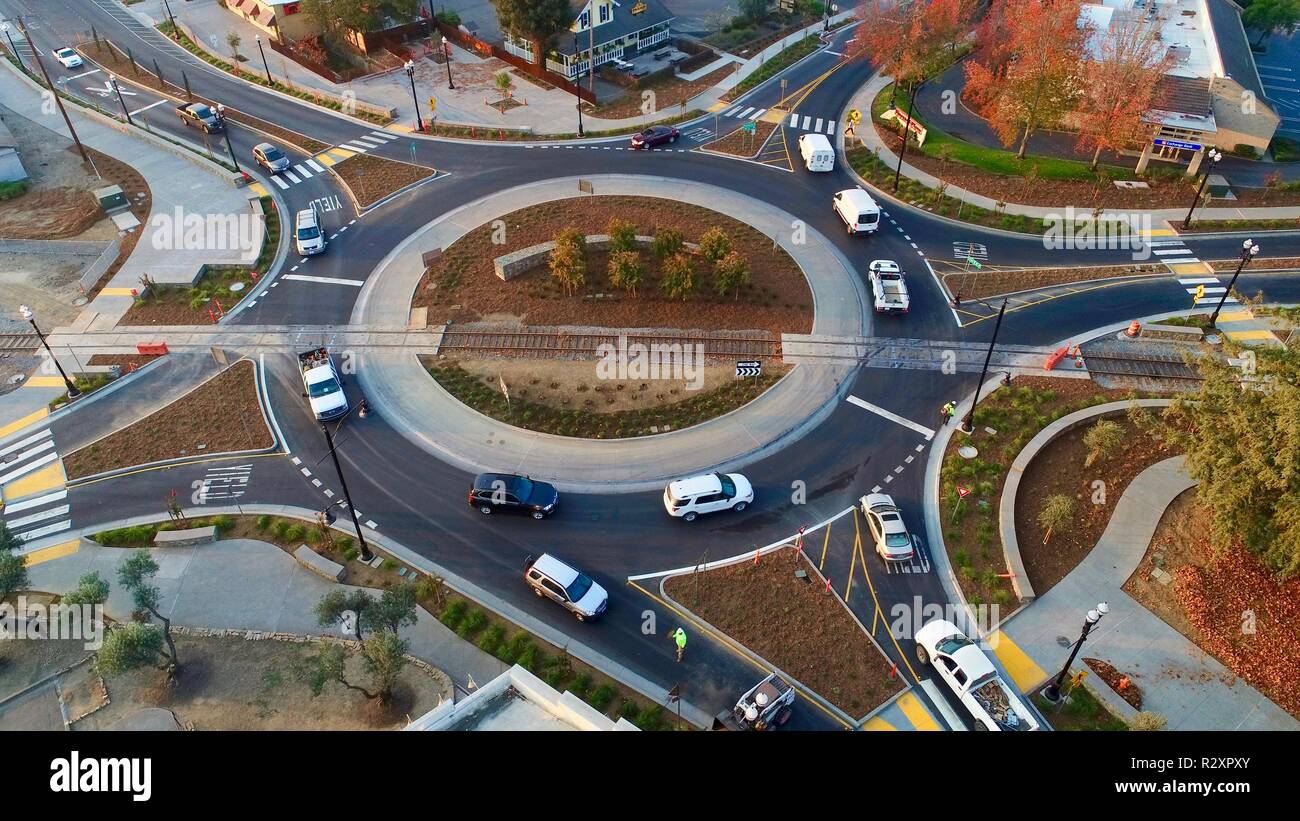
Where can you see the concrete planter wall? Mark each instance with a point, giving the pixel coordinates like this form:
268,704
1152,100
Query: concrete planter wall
515,263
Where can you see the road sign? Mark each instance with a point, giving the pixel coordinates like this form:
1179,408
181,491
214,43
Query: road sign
962,492
855,116
748,367
974,263
1200,294
433,103
750,127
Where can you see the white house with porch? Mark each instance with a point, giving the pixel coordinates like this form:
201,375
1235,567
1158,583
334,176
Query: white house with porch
607,29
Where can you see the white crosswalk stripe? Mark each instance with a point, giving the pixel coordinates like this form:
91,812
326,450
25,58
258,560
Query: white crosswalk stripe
794,120
368,142
292,177
384,135
731,112
758,114
745,113
806,121
1197,280
302,171
1218,290
275,178
315,166
35,516
360,149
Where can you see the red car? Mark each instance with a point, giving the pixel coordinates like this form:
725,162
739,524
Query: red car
655,135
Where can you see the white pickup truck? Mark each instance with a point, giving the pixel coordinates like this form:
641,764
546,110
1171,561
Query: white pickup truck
968,672
888,287
324,388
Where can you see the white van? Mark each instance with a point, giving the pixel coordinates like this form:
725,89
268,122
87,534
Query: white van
817,152
307,234
858,210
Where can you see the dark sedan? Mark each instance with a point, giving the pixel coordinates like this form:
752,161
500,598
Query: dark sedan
655,135
492,492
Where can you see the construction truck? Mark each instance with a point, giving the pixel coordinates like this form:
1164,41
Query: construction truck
994,704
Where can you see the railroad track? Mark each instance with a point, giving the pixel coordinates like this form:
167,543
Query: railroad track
19,343
1155,367
546,343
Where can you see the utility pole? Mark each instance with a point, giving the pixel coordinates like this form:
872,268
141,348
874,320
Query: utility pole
261,50
366,555
57,99
176,32
968,424
225,129
27,314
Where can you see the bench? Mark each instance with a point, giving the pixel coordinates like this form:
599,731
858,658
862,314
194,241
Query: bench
680,58
1181,332
663,53
181,538
318,564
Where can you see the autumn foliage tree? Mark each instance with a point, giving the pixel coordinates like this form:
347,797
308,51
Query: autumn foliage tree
1025,72
1118,86
909,41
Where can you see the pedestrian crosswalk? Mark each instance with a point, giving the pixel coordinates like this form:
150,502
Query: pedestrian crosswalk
806,122
317,164
801,122
1173,252
374,139
32,484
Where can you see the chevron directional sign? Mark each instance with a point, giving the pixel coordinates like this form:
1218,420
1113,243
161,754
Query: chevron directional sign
748,367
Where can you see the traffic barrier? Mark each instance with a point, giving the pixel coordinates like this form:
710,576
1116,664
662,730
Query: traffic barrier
1134,328
151,348
1055,357
1078,357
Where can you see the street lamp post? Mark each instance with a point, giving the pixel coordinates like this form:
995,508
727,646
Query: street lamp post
112,80
176,32
577,89
1214,156
968,424
410,75
27,314
366,555
12,47
225,129
265,66
446,52
1052,692
907,129
1248,250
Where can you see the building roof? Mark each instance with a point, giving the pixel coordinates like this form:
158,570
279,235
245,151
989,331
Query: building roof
623,24
517,700
1234,48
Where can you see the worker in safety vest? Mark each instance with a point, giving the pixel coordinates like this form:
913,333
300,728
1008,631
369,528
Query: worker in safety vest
679,636
948,411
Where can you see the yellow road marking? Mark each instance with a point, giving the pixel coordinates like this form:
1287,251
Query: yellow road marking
401,129
1235,316
848,588
326,159
1191,268
775,116
30,419
877,724
259,189
718,107
116,292
916,713
1047,298
57,551
825,544
1022,669
1249,334
48,477
1159,232
44,382
872,587
342,153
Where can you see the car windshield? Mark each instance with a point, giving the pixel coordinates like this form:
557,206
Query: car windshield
522,488
649,132
308,233
323,387
728,486
896,540
273,154
579,587
952,644
65,52
202,111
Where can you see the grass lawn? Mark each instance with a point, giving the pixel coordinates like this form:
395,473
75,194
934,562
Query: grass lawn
1081,711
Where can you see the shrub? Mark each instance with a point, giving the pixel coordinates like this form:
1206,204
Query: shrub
568,266
1147,721
622,235
491,640
651,718
221,523
626,270
1002,597
350,554
471,624
581,686
731,273
1102,440
1055,514
452,614
715,244
294,533
136,534
603,695
667,241
281,527
677,276
263,522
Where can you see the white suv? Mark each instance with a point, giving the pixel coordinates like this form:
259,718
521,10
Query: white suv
707,493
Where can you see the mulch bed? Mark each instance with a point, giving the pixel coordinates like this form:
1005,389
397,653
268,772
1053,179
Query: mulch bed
1209,596
1058,468
1119,682
123,360
794,624
221,416
462,286
372,178
741,143
669,92
1017,413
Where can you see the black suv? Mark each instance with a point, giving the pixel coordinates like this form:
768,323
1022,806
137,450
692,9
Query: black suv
515,494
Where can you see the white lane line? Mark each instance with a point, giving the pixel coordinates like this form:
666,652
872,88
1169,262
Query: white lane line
45,531
61,510
147,107
292,176
306,472
302,171
1162,251
28,504
371,524
893,417
329,493
315,166
316,482
84,74
295,460
325,280
276,179
876,489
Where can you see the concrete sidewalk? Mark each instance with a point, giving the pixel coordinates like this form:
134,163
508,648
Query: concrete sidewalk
1178,679
867,136
413,403
177,185
243,584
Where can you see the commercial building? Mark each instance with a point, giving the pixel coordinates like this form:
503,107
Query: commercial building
602,30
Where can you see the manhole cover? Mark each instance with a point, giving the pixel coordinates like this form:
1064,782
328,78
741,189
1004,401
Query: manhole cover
236,287
968,451
79,301
1063,641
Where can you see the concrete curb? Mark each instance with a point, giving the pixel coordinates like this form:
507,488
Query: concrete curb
659,695
1007,504
277,262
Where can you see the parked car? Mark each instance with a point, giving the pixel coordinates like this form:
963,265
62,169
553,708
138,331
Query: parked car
509,493
270,157
707,493
557,580
68,57
888,533
655,135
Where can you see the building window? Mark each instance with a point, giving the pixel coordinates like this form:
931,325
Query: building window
604,14
585,20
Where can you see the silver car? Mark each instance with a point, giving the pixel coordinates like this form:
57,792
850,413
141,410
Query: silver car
893,542
270,157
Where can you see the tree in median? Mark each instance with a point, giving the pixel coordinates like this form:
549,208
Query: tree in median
1102,440
376,623
505,84
13,568
1055,515
622,235
91,589
677,276
667,242
537,21
1272,17
714,244
569,260
1119,87
1026,69
132,645
135,574
1243,445
361,613
626,270
730,274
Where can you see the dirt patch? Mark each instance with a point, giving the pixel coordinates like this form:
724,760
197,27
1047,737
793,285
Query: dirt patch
122,360
669,92
1119,682
740,143
1016,414
222,415
462,286
1059,468
372,178
1213,597
235,684
991,282
794,624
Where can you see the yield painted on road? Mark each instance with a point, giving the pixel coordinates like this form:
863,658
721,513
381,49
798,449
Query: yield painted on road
893,417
